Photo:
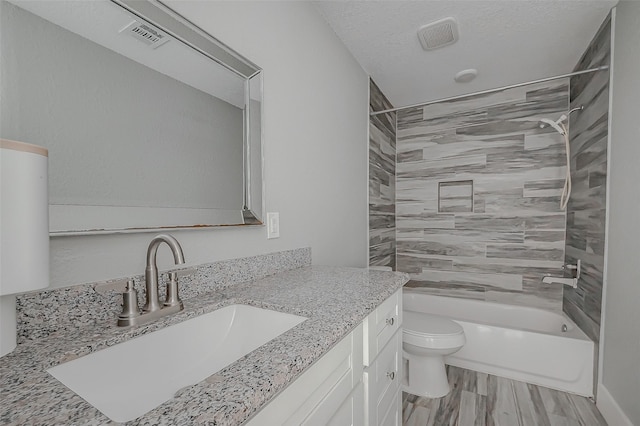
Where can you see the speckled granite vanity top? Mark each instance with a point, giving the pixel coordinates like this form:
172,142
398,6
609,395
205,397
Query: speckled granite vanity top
333,299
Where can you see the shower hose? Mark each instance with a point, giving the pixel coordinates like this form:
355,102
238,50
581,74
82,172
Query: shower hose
566,191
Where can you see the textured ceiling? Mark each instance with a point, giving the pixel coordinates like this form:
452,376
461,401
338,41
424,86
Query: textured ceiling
507,41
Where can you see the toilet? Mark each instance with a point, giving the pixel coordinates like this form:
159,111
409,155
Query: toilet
426,340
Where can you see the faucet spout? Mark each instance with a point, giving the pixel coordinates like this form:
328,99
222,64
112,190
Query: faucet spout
571,282
151,272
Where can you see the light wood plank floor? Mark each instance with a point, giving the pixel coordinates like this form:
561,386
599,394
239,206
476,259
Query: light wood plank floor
479,399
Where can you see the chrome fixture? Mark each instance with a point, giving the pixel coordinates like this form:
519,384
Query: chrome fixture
151,272
571,282
560,127
557,124
573,269
497,89
131,313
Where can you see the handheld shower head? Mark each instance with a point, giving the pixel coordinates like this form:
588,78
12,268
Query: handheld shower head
557,124
562,129
553,124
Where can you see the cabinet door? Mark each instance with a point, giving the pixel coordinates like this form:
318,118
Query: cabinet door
382,381
393,416
351,412
319,393
336,407
381,325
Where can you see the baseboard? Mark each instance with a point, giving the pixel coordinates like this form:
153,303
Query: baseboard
610,409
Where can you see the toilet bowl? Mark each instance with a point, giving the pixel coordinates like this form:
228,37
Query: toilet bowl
426,340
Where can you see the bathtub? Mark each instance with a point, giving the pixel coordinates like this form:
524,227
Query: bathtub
519,343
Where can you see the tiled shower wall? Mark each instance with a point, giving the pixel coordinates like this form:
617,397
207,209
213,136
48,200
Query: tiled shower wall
478,196
587,205
382,175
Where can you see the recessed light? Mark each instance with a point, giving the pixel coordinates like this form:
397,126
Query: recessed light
466,76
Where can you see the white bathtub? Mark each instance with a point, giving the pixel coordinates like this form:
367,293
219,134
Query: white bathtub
515,342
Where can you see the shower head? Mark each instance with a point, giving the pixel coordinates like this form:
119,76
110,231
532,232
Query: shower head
562,129
554,124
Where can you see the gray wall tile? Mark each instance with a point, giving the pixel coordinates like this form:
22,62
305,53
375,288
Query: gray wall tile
516,232
382,181
585,226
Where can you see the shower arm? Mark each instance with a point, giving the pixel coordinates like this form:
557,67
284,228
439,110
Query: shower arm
580,108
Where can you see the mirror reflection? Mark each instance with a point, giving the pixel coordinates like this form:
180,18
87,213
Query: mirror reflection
145,130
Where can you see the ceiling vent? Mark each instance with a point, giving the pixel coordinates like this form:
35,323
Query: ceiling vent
438,34
146,33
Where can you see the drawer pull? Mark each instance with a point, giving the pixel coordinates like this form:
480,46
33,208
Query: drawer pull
391,321
391,375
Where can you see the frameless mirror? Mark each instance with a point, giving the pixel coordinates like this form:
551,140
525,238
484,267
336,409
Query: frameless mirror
150,122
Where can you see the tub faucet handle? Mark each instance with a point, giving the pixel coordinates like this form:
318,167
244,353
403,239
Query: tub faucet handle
573,269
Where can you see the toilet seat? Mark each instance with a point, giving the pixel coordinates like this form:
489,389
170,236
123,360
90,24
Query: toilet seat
431,331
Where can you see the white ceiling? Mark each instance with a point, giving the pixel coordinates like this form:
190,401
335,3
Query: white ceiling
507,41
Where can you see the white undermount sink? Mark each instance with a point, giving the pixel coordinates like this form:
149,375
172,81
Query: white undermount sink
127,380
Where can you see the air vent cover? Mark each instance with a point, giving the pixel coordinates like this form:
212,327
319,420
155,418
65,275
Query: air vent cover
146,33
438,34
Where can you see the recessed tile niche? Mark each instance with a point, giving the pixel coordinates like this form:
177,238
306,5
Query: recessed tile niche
455,196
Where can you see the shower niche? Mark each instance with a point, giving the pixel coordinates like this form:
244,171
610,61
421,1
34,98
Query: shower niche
455,196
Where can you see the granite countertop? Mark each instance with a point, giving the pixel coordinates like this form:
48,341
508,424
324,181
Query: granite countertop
334,299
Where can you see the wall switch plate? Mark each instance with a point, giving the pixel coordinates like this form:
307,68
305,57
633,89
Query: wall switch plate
273,225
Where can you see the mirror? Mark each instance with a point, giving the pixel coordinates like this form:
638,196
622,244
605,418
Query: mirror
150,122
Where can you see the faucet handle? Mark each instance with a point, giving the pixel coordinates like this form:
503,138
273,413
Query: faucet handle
173,298
119,286
130,309
182,272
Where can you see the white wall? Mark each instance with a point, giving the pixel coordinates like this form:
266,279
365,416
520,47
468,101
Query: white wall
315,137
621,353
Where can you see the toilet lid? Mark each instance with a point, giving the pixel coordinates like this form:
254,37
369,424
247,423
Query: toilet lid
418,323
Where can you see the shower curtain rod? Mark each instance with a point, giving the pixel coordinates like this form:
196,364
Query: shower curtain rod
483,92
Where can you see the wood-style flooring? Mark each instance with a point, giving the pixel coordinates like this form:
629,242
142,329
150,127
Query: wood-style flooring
479,399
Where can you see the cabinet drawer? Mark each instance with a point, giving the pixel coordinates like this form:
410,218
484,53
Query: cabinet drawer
381,325
382,381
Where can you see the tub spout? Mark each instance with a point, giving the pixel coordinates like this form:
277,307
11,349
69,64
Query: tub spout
571,282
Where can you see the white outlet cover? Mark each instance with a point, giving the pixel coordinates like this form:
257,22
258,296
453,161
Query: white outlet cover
273,225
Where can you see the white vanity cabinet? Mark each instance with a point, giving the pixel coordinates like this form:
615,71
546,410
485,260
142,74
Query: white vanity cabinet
383,363
355,383
330,392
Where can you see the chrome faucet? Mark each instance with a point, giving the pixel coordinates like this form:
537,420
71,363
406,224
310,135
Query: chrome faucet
151,272
152,309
